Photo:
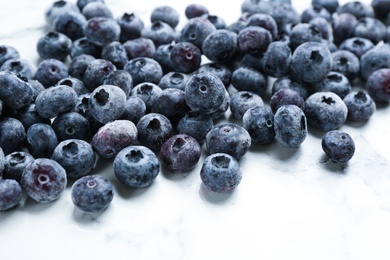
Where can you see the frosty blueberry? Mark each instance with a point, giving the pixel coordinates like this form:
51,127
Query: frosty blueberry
102,30
360,106
196,125
11,194
241,101
15,163
15,91
41,140
259,122
338,146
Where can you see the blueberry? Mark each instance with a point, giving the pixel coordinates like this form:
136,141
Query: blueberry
292,83
121,79
196,125
153,130
343,26
148,92
378,85
334,82
163,56
92,193
15,163
15,92
96,9
174,79
248,79
12,135
50,71
356,8
96,72
136,166
115,52
259,122
290,126
135,108
54,45
131,26
220,46
71,125
102,30
370,28
218,22
357,45
324,27
265,21
79,64
83,46
140,47
195,10
180,153
76,156
314,11
8,52
205,93
11,194
254,40
302,33
330,5
374,59
277,59
241,101
44,180
228,138
185,57
2,162
346,63
381,8
144,69
223,72
286,96
55,100
220,112
325,111
21,67
159,32
221,173
75,83
171,103
113,137
107,103
71,24
196,30
338,146
360,106
166,14
41,140
57,8
82,3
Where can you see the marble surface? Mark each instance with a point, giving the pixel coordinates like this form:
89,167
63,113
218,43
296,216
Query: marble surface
291,203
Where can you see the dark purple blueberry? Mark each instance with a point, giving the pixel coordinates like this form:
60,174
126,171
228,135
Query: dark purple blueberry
378,85
7,53
82,3
140,47
135,108
113,137
15,92
92,193
166,14
171,103
330,5
304,32
54,45
174,80
338,146
12,135
79,64
205,93
59,7
290,82
334,82
343,26
71,125
356,8
144,69
346,63
131,26
247,79
50,71
220,46
163,57
286,96
122,79
11,194
254,40
381,8
44,180
102,30
41,140
71,24
221,173
228,138
96,9
153,130
259,122
374,59
196,30
116,53
360,106
180,153
147,92
324,27
107,103
370,28
136,166
290,126
196,125
19,66
96,73
55,100
28,116
75,83
223,72
277,59
15,163
195,10
265,21
325,111
159,32
185,57
241,101
314,11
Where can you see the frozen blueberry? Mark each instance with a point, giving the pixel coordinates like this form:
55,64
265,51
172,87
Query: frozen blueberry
357,45
180,153
325,111
356,8
324,27
286,96
71,24
174,79
22,67
144,69
102,30
96,73
277,59
374,59
220,112
15,92
360,106
302,33
346,63
185,57
221,173
338,146
55,100
196,125
314,11
290,126
378,85
196,30
140,47
334,82
148,92
259,122
11,194
195,10
163,57
113,137
135,108
171,103
44,180
50,71
205,93
54,45
71,125
370,28
218,22
248,79
228,138
41,140
15,163
343,26
8,52
166,14
131,26
220,46
92,193
79,64
107,103
76,156
292,83
83,46
75,83
121,79
241,101
12,135
36,87
159,32
223,72
265,21
96,9
136,166
115,52
254,40
57,8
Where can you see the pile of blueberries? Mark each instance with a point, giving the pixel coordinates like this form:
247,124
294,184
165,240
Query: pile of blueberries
144,97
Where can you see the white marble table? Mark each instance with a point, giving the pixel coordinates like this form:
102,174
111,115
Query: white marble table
291,204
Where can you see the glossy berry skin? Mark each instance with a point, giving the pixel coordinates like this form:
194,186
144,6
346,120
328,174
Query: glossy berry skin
54,45
180,153
325,111
140,47
135,108
121,79
96,72
144,69
166,14
174,79
12,135
185,57
277,59
228,138
79,64
221,173
76,156
153,130
196,30
346,63
113,137
92,193
50,71
71,125
334,82
115,52
195,10
254,40
159,32
338,146
22,67
11,194
259,122
205,93
241,101
311,61
290,126
136,166
131,26
71,24
44,180
196,125
378,85
107,103
223,72
220,46
360,106
55,100
357,45
15,92
148,92
41,140
171,103
14,164
248,79
286,96
8,52
83,46
102,30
